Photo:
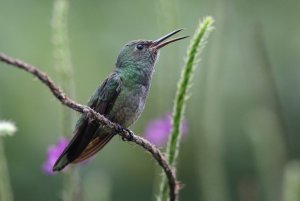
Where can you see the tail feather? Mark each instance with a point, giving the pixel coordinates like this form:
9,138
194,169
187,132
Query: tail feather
94,146
82,137
61,163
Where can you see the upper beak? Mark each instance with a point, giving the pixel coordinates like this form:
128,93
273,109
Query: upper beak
159,43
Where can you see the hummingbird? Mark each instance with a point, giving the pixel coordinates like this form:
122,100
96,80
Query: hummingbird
120,98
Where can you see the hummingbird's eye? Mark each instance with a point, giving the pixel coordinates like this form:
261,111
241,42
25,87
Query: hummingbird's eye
140,46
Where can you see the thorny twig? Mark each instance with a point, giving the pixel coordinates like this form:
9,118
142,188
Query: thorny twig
127,134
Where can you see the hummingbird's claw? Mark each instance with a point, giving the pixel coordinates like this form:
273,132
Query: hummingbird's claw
130,135
121,129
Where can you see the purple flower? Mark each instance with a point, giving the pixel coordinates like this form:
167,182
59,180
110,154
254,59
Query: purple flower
158,130
53,152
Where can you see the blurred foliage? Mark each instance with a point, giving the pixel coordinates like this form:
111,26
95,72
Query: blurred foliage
233,96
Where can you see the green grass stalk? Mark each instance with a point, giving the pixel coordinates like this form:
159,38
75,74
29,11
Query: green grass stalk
6,129
197,44
63,64
62,58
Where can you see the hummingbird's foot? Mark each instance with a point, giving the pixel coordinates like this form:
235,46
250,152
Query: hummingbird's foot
121,129
130,135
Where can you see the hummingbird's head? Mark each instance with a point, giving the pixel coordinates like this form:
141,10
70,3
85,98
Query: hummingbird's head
143,53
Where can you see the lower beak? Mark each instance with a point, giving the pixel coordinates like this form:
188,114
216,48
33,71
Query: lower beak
161,42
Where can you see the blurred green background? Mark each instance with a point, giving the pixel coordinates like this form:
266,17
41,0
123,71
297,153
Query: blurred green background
243,114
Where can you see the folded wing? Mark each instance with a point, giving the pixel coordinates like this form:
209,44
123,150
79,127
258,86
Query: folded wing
89,136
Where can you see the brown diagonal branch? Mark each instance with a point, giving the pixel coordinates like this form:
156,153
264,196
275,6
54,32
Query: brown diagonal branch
127,134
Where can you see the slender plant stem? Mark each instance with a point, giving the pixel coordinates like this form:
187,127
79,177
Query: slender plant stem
197,44
6,129
90,113
63,64
291,182
5,189
62,58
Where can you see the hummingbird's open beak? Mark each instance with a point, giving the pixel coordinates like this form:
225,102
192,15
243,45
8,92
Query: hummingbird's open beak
159,43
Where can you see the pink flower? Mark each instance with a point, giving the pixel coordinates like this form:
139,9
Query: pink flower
158,130
53,152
